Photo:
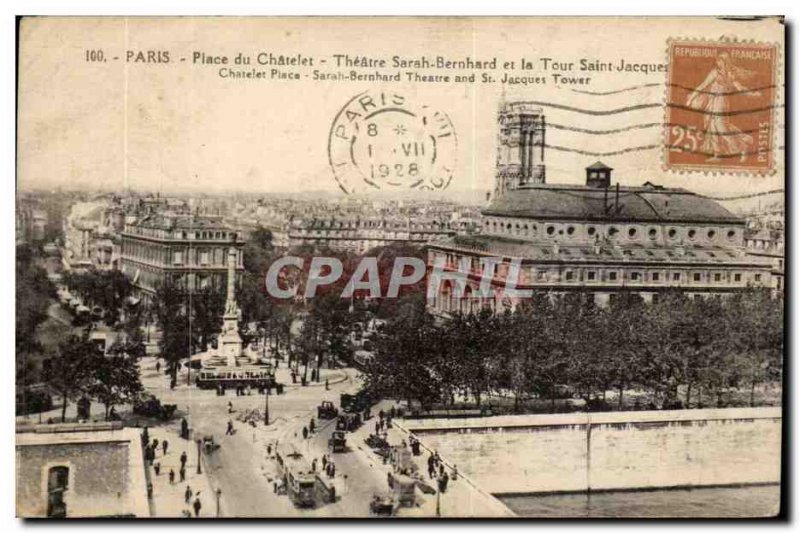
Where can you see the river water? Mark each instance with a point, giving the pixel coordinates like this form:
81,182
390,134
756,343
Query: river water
734,502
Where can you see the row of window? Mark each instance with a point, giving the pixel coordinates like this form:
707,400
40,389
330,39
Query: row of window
654,277
182,234
634,276
527,229
161,255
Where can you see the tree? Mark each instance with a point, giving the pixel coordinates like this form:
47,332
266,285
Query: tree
207,308
114,381
406,348
755,340
34,294
70,373
173,321
258,252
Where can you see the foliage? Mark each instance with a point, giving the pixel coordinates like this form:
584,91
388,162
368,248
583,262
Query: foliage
70,373
553,346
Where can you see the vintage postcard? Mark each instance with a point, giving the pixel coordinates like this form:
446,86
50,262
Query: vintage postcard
400,267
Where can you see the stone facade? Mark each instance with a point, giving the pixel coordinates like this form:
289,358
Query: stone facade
85,472
190,249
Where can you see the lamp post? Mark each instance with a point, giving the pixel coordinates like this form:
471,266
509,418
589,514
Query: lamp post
219,493
199,444
266,406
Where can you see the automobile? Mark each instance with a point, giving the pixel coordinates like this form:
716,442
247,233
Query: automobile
327,411
348,422
338,442
382,505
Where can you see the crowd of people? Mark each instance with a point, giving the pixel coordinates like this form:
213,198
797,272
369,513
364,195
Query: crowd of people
155,451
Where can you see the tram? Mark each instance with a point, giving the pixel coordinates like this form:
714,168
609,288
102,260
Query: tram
229,377
298,478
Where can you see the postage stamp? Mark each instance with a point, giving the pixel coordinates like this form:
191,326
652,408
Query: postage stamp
720,106
382,140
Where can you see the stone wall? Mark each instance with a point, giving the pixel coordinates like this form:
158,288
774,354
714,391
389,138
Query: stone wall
610,451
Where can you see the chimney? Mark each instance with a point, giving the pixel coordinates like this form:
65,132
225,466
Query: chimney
598,176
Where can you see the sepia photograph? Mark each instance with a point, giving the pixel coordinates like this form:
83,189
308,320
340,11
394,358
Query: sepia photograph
400,267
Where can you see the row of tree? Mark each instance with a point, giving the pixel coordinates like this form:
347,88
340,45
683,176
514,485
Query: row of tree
34,294
678,349
81,370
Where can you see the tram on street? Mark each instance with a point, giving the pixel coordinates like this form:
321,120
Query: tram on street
231,377
298,478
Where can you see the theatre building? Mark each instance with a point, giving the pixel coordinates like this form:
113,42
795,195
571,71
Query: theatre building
598,236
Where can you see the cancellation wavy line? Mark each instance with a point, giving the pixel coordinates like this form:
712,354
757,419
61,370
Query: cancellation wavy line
742,196
642,126
656,147
677,86
639,107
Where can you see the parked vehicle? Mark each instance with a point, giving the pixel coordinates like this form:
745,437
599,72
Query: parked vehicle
382,505
348,422
338,442
327,411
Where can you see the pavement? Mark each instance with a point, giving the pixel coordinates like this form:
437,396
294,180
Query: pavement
168,499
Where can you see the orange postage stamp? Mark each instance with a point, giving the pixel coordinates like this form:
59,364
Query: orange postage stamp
720,107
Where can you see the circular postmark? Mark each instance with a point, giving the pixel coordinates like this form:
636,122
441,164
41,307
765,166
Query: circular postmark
382,141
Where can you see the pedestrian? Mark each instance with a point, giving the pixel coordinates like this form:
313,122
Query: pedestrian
305,432
182,473
184,458
441,469
392,412
197,506
230,407
377,427
328,469
229,431
325,462
314,465
155,445
431,466
184,429
188,494
171,476
312,426
158,365
145,436
149,491
445,478
157,468
164,446
327,387
455,472
333,470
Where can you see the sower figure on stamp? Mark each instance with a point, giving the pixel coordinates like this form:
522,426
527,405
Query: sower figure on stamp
722,137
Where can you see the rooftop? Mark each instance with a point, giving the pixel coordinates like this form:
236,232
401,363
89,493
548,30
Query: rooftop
169,221
648,203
